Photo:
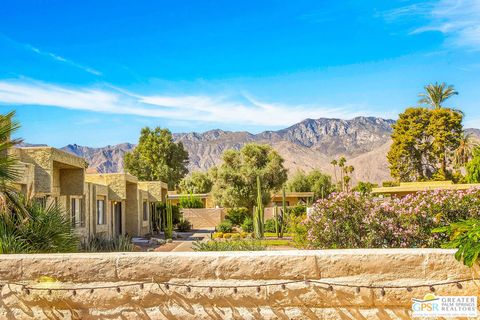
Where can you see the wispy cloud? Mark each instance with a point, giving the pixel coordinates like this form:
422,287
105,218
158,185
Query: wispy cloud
50,55
458,20
63,60
240,109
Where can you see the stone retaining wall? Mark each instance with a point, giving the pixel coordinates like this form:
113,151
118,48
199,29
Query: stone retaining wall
297,301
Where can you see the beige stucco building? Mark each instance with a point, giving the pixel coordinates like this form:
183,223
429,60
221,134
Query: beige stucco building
105,204
291,198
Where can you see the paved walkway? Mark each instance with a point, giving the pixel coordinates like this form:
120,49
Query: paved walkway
185,243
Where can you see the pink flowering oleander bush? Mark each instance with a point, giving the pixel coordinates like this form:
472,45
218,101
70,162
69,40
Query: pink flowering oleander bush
352,220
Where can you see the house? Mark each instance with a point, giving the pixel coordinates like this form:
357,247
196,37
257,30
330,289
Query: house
405,188
99,204
292,198
207,198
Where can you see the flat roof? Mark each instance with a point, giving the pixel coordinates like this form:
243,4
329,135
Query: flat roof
126,176
295,194
172,195
411,187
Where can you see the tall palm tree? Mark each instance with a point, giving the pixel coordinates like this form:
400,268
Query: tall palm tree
436,94
465,148
341,164
334,164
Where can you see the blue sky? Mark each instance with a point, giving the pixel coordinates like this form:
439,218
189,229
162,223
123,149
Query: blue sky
95,72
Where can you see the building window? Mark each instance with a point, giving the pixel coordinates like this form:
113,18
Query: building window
101,212
42,201
76,211
145,211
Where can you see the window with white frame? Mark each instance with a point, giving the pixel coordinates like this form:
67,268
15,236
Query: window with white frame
145,211
76,212
101,212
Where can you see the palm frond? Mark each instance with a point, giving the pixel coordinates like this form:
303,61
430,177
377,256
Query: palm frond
436,94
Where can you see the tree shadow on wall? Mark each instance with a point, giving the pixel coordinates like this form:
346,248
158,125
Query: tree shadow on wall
314,302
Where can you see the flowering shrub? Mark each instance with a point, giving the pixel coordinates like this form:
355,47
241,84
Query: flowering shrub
352,220
337,222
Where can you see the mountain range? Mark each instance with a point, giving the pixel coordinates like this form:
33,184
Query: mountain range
310,144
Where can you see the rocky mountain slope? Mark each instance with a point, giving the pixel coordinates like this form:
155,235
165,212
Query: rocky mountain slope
106,159
310,144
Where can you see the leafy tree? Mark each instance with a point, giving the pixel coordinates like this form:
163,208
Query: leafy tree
235,179
473,167
315,181
436,94
191,202
446,130
364,187
299,182
197,182
424,141
464,152
157,158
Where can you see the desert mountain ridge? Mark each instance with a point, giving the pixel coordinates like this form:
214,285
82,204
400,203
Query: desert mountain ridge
309,144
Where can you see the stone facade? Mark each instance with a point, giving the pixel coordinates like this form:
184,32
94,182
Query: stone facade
379,267
105,204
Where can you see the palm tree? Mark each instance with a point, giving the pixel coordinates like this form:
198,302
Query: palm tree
26,225
8,164
465,148
341,164
334,164
436,94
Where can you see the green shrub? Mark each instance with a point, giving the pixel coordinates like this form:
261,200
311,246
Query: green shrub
190,202
298,229
184,225
464,236
98,243
42,230
390,184
225,227
270,225
237,215
297,211
229,245
247,225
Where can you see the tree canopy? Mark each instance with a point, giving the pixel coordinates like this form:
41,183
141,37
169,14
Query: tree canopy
196,182
315,181
235,179
473,167
424,143
157,158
